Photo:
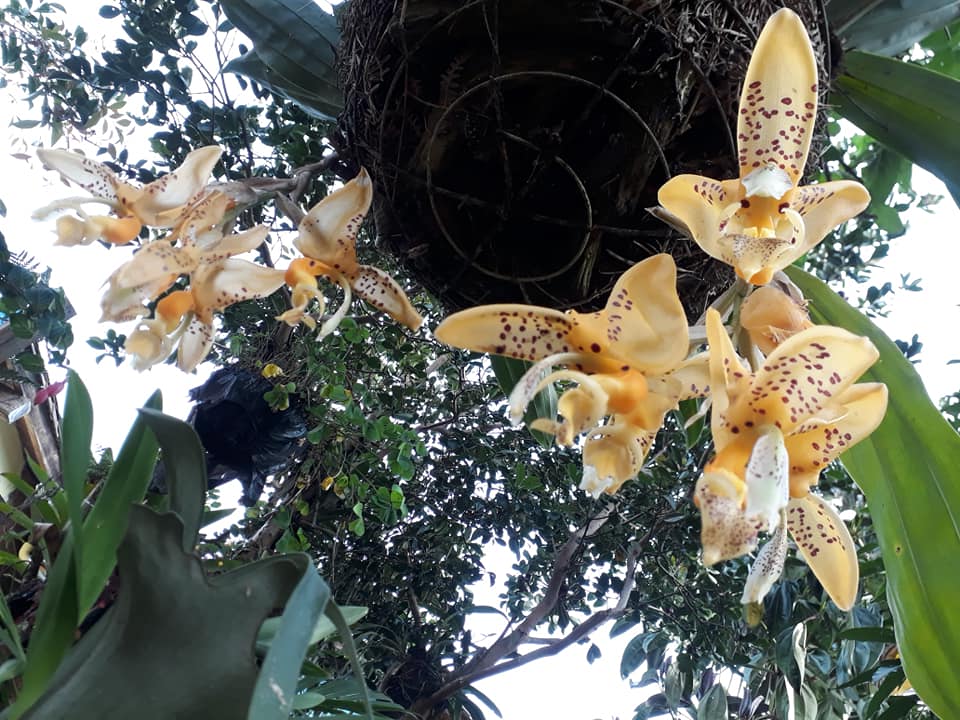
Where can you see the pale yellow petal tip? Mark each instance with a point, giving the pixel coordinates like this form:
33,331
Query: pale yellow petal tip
271,370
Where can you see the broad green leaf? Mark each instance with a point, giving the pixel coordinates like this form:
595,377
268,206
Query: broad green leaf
907,470
508,372
186,470
77,432
273,695
11,631
907,107
888,27
296,42
176,643
324,101
105,525
945,50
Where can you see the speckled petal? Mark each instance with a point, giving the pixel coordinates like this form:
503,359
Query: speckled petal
861,409
690,379
726,532
756,259
778,103
237,244
767,567
729,378
382,291
826,545
218,285
120,304
94,177
195,344
825,206
155,260
700,203
175,188
521,331
329,230
201,223
643,323
803,375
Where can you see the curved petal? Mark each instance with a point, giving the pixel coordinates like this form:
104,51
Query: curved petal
825,206
778,103
767,567
689,379
805,374
770,316
199,225
643,322
729,379
329,230
195,344
612,455
862,407
826,545
526,332
333,322
700,202
726,532
382,291
120,304
155,260
94,177
237,244
216,286
147,345
756,259
175,188
767,475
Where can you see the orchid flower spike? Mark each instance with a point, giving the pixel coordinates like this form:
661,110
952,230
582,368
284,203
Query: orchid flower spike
774,431
328,242
764,220
627,360
157,204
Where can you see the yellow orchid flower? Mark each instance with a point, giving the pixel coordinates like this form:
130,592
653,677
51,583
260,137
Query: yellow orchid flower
774,431
627,361
157,204
186,316
328,242
762,221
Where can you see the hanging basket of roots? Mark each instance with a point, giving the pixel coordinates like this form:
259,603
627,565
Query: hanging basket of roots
516,146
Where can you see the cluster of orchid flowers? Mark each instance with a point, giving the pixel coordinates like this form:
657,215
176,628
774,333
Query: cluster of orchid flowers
778,418
200,247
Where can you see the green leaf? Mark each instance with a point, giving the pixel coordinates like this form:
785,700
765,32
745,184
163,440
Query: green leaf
176,643
273,695
868,634
323,628
907,107
633,655
889,27
296,44
75,458
508,372
890,683
105,525
186,470
53,629
339,620
908,471
713,706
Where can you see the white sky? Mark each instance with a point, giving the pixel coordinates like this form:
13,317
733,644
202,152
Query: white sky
564,686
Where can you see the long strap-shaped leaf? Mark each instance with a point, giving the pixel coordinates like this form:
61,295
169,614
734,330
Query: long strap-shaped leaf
909,470
911,109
